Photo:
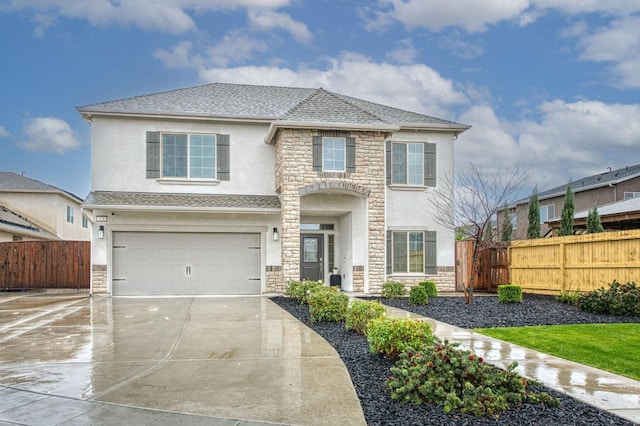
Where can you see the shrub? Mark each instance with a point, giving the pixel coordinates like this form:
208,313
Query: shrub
361,312
430,286
619,299
418,295
391,336
301,290
393,290
458,380
508,293
568,298
328,305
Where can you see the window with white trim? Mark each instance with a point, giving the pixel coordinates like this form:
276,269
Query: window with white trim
630,195
408,252
69,214
547,212
407,160
191,156
334,154
85,222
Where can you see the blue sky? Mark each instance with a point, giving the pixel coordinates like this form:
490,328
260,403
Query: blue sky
551,84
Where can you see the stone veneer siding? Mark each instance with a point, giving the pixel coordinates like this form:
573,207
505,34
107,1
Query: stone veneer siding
275,284
98,279
294,172
445,279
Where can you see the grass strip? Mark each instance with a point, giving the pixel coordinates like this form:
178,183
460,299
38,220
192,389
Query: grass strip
609,347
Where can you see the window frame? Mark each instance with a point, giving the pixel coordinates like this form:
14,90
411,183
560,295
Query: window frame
631,194
408,253
70,214
344,153
407,164
85,222
546,209
189,166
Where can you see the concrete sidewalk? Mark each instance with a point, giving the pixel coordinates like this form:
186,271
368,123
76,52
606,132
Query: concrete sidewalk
74,359
607,391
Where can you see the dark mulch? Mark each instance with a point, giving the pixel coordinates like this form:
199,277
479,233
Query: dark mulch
369,372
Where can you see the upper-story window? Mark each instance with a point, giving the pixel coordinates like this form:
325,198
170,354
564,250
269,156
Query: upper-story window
85,222
334,154
547,212
630,195
188,156
69,214
411,164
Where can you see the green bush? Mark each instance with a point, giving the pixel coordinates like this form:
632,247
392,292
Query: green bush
393,290
328,305
459,380
361,312
618,299
391,336
430,286
418,295
301,290
568,298
508,293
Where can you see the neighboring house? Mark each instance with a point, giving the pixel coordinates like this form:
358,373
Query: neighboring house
31,204
618,216
596,190
238,189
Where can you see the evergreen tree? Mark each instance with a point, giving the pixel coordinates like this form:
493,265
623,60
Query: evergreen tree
568,210
593,221
507,226
533,231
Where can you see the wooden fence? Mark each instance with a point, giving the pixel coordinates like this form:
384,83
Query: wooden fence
575,263
492,266
28,265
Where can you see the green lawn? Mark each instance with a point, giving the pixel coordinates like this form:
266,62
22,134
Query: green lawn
610,347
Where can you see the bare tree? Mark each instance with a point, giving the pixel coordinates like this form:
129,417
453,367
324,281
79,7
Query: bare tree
470,201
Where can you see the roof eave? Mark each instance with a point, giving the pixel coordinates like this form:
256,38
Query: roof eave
88,115
277,124
179,209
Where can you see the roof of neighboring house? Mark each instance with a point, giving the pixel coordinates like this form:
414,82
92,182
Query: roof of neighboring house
589,182
619,207
15,224
140,200
13,182
285,105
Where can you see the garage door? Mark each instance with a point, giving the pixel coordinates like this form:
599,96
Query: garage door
166,263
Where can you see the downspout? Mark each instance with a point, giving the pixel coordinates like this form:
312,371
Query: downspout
615,191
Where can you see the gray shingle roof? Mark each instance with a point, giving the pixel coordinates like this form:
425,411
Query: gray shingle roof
105,199
10,181
589,182
13,223
619,207
222,100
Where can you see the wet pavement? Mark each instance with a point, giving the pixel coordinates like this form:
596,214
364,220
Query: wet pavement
607,391
75,359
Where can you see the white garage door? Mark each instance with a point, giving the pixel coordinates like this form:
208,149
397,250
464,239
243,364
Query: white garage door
167,263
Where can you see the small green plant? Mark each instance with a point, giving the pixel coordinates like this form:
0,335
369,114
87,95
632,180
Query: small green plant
508,293
361,312
391,336
300,291
618,299
328,305
418,295
393,290
455,379
568,298
430,286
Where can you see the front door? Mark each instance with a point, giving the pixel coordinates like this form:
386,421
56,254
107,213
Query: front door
311,257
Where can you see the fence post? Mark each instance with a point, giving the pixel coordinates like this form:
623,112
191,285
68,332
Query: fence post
563,268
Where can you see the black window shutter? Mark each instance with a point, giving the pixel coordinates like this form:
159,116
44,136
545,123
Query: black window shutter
429,164
388,160
351,155
431,255
153,155
223,163
317,153
389,253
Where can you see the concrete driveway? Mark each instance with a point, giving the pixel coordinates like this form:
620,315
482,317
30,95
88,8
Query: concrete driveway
233,357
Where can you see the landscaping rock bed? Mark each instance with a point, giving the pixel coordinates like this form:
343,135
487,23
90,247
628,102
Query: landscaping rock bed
369,371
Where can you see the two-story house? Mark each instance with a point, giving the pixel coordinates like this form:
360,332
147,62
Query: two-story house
33,210
590,191
237,189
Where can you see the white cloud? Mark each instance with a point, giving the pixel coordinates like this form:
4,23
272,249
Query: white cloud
234,47
49,134
414,87
4,132
177,57
405,53
265,20
458,46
